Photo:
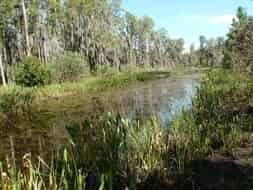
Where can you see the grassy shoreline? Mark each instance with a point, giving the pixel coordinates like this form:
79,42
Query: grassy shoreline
213,138
105,81
16,100
95,84
99,83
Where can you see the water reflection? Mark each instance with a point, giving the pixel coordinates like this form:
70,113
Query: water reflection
58,120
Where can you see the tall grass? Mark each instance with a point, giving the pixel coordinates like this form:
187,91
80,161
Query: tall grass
118,154
217,120
124,154
42,176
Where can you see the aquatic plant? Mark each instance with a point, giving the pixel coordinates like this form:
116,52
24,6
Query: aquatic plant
65,175
217,118
118,154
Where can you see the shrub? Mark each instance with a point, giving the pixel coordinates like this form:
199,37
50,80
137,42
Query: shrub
31,73
69,67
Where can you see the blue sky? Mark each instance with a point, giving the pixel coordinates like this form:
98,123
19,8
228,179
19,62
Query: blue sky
189,18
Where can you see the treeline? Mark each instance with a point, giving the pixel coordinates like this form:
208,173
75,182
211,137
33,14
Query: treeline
100,32
233,52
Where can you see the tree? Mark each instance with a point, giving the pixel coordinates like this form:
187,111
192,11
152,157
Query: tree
130,33
238,25
144,38
242,50
2,71
100,32
202,49
28,51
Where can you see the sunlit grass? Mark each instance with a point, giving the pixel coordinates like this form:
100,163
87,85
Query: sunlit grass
217,120
101,83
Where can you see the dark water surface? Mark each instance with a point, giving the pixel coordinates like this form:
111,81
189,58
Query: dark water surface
47,131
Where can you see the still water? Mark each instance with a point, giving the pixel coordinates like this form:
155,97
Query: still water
47,131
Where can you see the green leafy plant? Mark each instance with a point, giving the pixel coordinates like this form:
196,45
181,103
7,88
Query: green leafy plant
31,73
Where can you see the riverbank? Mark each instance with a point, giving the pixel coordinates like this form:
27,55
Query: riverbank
107,81
15,100
112,79
208,146
96,84
215,137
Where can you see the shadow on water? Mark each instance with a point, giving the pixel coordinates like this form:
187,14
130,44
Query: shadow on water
55,121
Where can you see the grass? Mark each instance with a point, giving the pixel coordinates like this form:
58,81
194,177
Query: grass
220,117
184,70
119,154
96,83
101,83
16,100
116,155
105,80
42,176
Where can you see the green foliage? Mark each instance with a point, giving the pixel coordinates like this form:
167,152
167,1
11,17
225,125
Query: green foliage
115,155
117,146
217,119
109,38
238,47
68,68
31,73
16,100
122,154
58,176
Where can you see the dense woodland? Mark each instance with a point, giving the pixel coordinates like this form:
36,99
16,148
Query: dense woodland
100,32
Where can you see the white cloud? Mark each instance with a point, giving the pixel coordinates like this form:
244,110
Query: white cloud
223,19
216,19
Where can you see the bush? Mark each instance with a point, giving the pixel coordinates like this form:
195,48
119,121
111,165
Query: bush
31,73
69,67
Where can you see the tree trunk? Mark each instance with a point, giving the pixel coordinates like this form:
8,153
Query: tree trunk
28,50
2,71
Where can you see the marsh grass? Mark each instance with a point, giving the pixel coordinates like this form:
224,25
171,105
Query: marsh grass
101,83
124,154
117,155
42,176
218,118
